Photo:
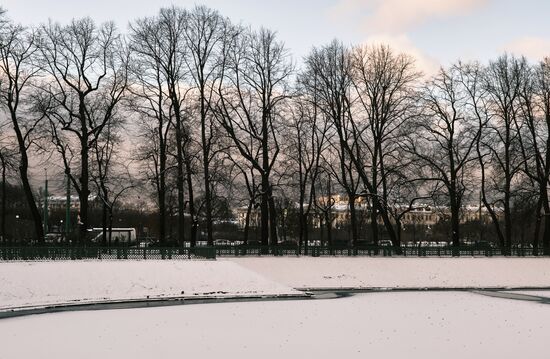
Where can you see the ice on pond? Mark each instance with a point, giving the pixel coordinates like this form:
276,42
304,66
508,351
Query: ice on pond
379,325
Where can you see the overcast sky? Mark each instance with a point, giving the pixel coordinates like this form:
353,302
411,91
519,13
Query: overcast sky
434,31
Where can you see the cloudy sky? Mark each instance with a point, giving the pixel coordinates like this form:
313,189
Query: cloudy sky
434,31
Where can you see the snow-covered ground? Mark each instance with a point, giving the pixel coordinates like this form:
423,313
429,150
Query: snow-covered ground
374,325
382,325
365,272
35,284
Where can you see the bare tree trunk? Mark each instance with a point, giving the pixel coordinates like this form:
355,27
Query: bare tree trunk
110,226
272,219
374,223
3,206
536,234
353,220
37,220
161,190
494,217
206,170
306,234
264,214
302,189
455,221
247,222
328,218
546,233
507,217
104,224
455,213
191,196
301,219
84,179
328,224
180,181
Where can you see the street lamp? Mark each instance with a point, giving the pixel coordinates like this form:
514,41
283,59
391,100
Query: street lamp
16,227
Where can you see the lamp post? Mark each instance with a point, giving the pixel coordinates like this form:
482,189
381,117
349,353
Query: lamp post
16,227
46,203
68,206
61,229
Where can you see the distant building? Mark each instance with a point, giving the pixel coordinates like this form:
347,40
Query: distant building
57,203
254,220
420,214
60,202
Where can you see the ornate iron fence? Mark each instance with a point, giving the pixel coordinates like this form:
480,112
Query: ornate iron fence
74,253
48,253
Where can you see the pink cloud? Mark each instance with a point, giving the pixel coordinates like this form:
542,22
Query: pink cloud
396,16
534,48
401,43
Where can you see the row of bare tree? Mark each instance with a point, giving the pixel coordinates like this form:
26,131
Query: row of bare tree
204,111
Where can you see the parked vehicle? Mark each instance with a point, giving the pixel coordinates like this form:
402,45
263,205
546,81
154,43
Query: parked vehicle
222,242
52,238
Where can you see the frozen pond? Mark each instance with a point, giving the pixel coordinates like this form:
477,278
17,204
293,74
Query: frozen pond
376,325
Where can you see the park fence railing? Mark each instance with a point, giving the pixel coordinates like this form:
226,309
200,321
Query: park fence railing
47,253
81,252
384,251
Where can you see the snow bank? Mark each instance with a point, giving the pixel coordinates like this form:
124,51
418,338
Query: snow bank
36,284
44,283
365,272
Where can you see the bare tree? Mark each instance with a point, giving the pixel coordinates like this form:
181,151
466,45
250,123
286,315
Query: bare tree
534,97
384,83
333,68
159,46
17,71
205,34
444,141
501,141
109,173
6,154
87,78
247,175
325,201
328,78
7,165
255,83
307,141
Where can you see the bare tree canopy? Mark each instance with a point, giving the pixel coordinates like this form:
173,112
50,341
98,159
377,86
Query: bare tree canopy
209,131
86,66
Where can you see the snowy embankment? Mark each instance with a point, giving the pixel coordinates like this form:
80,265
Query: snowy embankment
364,272
39,284
25,285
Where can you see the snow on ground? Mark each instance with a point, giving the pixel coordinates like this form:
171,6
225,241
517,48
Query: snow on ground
42,283
377,325
36,284
365,272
